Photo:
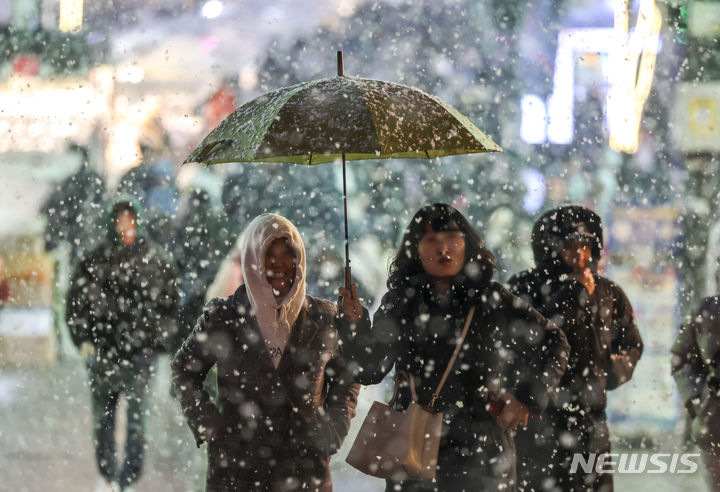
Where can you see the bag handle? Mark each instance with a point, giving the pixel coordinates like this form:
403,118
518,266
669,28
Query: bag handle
396,391
454,356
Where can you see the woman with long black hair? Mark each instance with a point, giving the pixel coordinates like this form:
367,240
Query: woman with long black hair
510,360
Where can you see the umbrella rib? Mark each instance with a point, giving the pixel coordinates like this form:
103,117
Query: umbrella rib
427,154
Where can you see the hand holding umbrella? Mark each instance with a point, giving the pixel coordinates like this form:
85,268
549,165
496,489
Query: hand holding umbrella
350,304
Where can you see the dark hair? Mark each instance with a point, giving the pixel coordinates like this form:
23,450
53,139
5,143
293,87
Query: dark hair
555,227
406,269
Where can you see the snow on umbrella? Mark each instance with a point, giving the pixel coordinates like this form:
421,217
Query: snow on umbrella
346,118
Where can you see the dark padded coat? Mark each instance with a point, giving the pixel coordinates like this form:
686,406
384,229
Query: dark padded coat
274,428
74,213
123,299
696,368
198,251
597,327
509,347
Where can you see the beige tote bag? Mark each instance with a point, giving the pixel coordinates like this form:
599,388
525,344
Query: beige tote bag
399,444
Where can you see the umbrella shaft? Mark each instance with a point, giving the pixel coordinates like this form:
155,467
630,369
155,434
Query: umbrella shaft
347,240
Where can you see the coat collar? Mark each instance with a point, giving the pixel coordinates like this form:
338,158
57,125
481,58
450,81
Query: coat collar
302,334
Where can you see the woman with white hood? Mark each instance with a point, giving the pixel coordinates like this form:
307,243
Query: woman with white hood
285,397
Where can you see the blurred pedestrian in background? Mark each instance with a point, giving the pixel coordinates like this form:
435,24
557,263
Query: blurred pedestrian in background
696,368
74,214
152,183
120,310
74,210
197,250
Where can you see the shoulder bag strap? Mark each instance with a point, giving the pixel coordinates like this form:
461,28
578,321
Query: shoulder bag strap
454,356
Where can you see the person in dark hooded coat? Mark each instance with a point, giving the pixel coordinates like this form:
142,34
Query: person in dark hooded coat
197,252
511,354
120,308
152,184
696,369
285,396
74,210
598,320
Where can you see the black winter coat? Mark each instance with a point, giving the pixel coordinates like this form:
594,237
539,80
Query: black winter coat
74,213
597,327
604,339
605,348
198,252
122,299
273,428
509,347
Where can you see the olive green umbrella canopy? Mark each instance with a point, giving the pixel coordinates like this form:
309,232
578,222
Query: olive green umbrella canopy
342,118
322,120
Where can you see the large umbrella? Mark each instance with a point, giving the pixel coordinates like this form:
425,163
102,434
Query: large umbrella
342,118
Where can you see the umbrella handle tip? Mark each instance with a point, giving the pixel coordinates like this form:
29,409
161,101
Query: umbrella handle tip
340,64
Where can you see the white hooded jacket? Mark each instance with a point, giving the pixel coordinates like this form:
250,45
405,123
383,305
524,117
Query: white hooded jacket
275,319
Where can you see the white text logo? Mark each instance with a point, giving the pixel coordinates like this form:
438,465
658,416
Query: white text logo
634,463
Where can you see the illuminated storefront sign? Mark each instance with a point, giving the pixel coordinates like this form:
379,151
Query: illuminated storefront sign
71,15
628,68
